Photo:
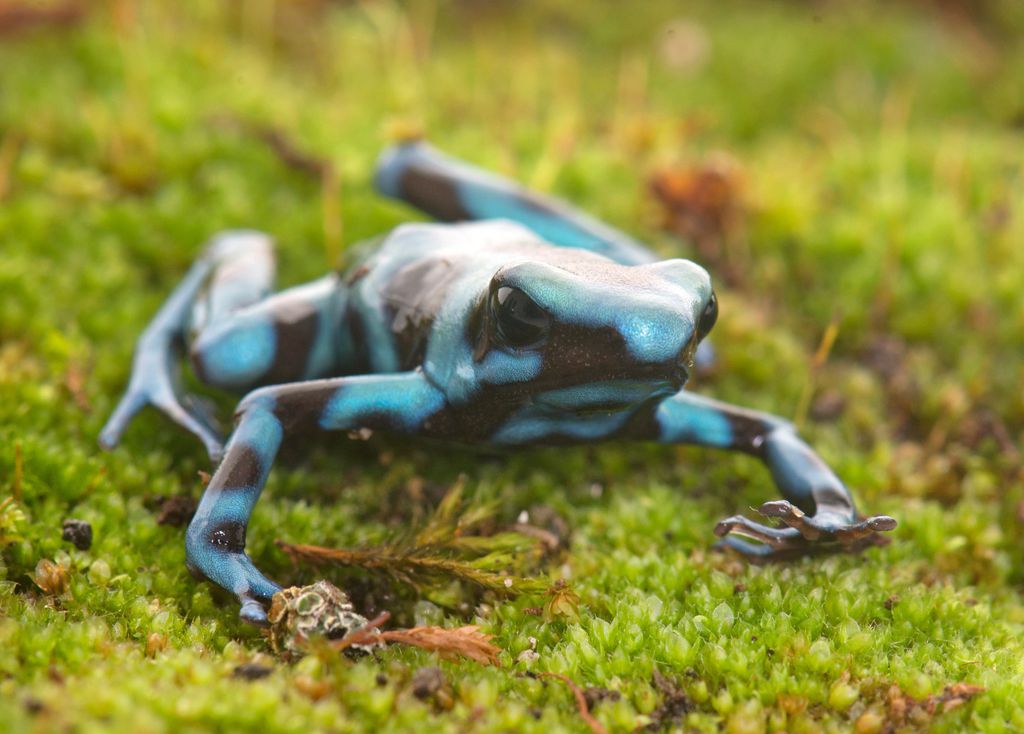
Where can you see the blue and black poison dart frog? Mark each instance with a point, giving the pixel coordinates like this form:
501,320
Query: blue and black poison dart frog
523,321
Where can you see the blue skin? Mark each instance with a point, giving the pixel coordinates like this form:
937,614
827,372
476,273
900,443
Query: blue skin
537,324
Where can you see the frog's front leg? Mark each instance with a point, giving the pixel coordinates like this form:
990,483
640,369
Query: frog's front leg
818,512
215,542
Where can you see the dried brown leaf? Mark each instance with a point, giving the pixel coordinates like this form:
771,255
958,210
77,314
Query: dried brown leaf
702,203
51,577
468,642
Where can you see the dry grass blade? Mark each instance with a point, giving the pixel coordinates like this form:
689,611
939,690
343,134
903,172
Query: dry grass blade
581,702
366,635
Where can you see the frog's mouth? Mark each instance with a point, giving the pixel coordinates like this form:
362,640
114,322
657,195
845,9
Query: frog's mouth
609,396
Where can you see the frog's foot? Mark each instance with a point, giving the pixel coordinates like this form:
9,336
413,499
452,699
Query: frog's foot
802,534
156,388
253,612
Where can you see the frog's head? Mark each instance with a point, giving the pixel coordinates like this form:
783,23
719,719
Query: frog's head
584,320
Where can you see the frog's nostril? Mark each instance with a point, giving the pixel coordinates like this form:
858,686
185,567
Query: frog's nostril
681,373
684,363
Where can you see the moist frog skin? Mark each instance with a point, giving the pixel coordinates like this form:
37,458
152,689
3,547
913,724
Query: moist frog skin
519,321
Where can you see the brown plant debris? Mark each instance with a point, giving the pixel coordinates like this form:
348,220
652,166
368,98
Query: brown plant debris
281,145
52,578
74,382
702,203
562,603
905,710
675,704
429,684
445,548
17,17
596,694
581,701
176,510
451,644
155,644
468,642
251,671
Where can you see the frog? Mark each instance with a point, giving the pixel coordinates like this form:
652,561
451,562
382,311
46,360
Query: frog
513,320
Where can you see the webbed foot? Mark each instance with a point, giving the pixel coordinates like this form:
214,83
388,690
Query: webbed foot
152,383
800,534
155,389
253,612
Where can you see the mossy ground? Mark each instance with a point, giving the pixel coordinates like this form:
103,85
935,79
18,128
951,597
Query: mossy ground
883,168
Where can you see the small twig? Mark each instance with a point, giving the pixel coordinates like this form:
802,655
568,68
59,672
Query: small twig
546,538
74,381
364,635
279,143
95,481
334,224
19,472
828,340
321,169
290,154
581,702
8,155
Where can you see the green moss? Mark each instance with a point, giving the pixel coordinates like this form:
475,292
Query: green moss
883,173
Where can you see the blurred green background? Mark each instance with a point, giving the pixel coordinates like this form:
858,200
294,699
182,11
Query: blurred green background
847,170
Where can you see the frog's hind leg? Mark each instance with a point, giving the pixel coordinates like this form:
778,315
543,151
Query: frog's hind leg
452,190
238,336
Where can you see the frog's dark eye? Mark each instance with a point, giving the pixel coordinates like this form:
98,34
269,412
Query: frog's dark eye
520,323
709,317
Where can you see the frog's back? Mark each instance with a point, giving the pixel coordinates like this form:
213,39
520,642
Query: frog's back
424,276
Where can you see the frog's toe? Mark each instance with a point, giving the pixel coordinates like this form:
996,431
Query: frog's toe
794,517
774,544
800,534
760,553
253,613
130,404
197,419
745,527
830,527
866,532
195,425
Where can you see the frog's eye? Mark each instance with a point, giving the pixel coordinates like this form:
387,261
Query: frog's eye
519,322
709,317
